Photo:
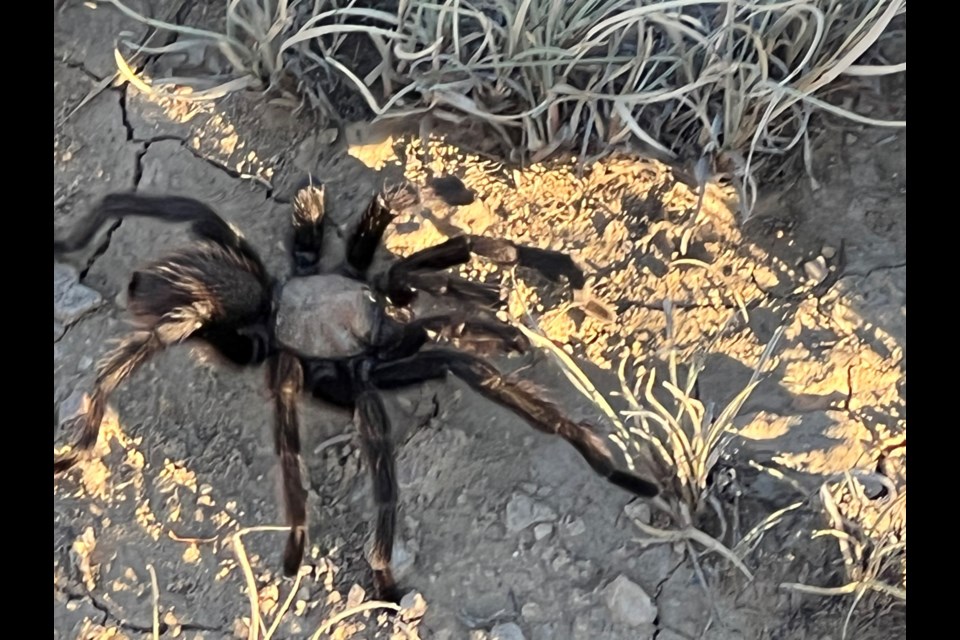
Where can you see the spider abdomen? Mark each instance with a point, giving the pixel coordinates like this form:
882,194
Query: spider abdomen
326,316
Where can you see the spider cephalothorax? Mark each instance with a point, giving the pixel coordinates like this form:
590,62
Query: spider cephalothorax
328,333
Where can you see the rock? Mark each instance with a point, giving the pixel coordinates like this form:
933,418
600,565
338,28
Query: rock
816,269
628,603
74,405
542,530
356,595
639,511
523,511
683,604
828,252
412,606
58,330
506,631
452,191
550,630
404,556
532,612
71,300
575,527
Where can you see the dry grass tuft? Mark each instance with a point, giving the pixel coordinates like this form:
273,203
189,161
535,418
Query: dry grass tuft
728,86
686,439
872,537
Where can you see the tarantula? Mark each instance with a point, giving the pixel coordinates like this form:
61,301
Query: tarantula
328,333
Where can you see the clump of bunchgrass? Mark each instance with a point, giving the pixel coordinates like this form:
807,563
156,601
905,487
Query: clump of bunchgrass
684,440
872,538
728,86
687,438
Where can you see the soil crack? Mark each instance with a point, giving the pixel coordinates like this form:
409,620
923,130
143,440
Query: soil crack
124,116
110,616
79,66
882,267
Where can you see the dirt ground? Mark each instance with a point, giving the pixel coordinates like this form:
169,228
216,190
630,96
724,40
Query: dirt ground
504,532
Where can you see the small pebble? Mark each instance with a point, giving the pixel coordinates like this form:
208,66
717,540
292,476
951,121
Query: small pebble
412,606
542,530
575,527
629,603
506,631
639,511
531,612
523,511
355,596
71,300
816,269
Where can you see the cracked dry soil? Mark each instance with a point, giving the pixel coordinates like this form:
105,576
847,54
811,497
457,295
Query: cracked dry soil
504,531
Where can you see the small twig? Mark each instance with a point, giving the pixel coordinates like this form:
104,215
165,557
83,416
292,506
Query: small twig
743,546
155,589
346,613
332,442
693,534
253,594
286,605
177,538
847,589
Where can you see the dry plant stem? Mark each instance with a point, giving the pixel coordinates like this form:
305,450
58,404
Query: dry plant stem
333,441
779,475
866,558
155,591
851,587
253,594
346,613
286,606
112,79
744,546
690,533
178,538
845,542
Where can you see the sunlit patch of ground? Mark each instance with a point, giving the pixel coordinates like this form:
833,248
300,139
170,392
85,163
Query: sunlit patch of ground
644,238
344,610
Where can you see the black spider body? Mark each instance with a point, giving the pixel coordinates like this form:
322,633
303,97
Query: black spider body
328,316
328,334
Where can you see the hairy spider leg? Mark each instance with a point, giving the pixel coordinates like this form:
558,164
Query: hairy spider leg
132,351
210,291
476,335
520,397
346,383
285,380
377,445
207,224
417,271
